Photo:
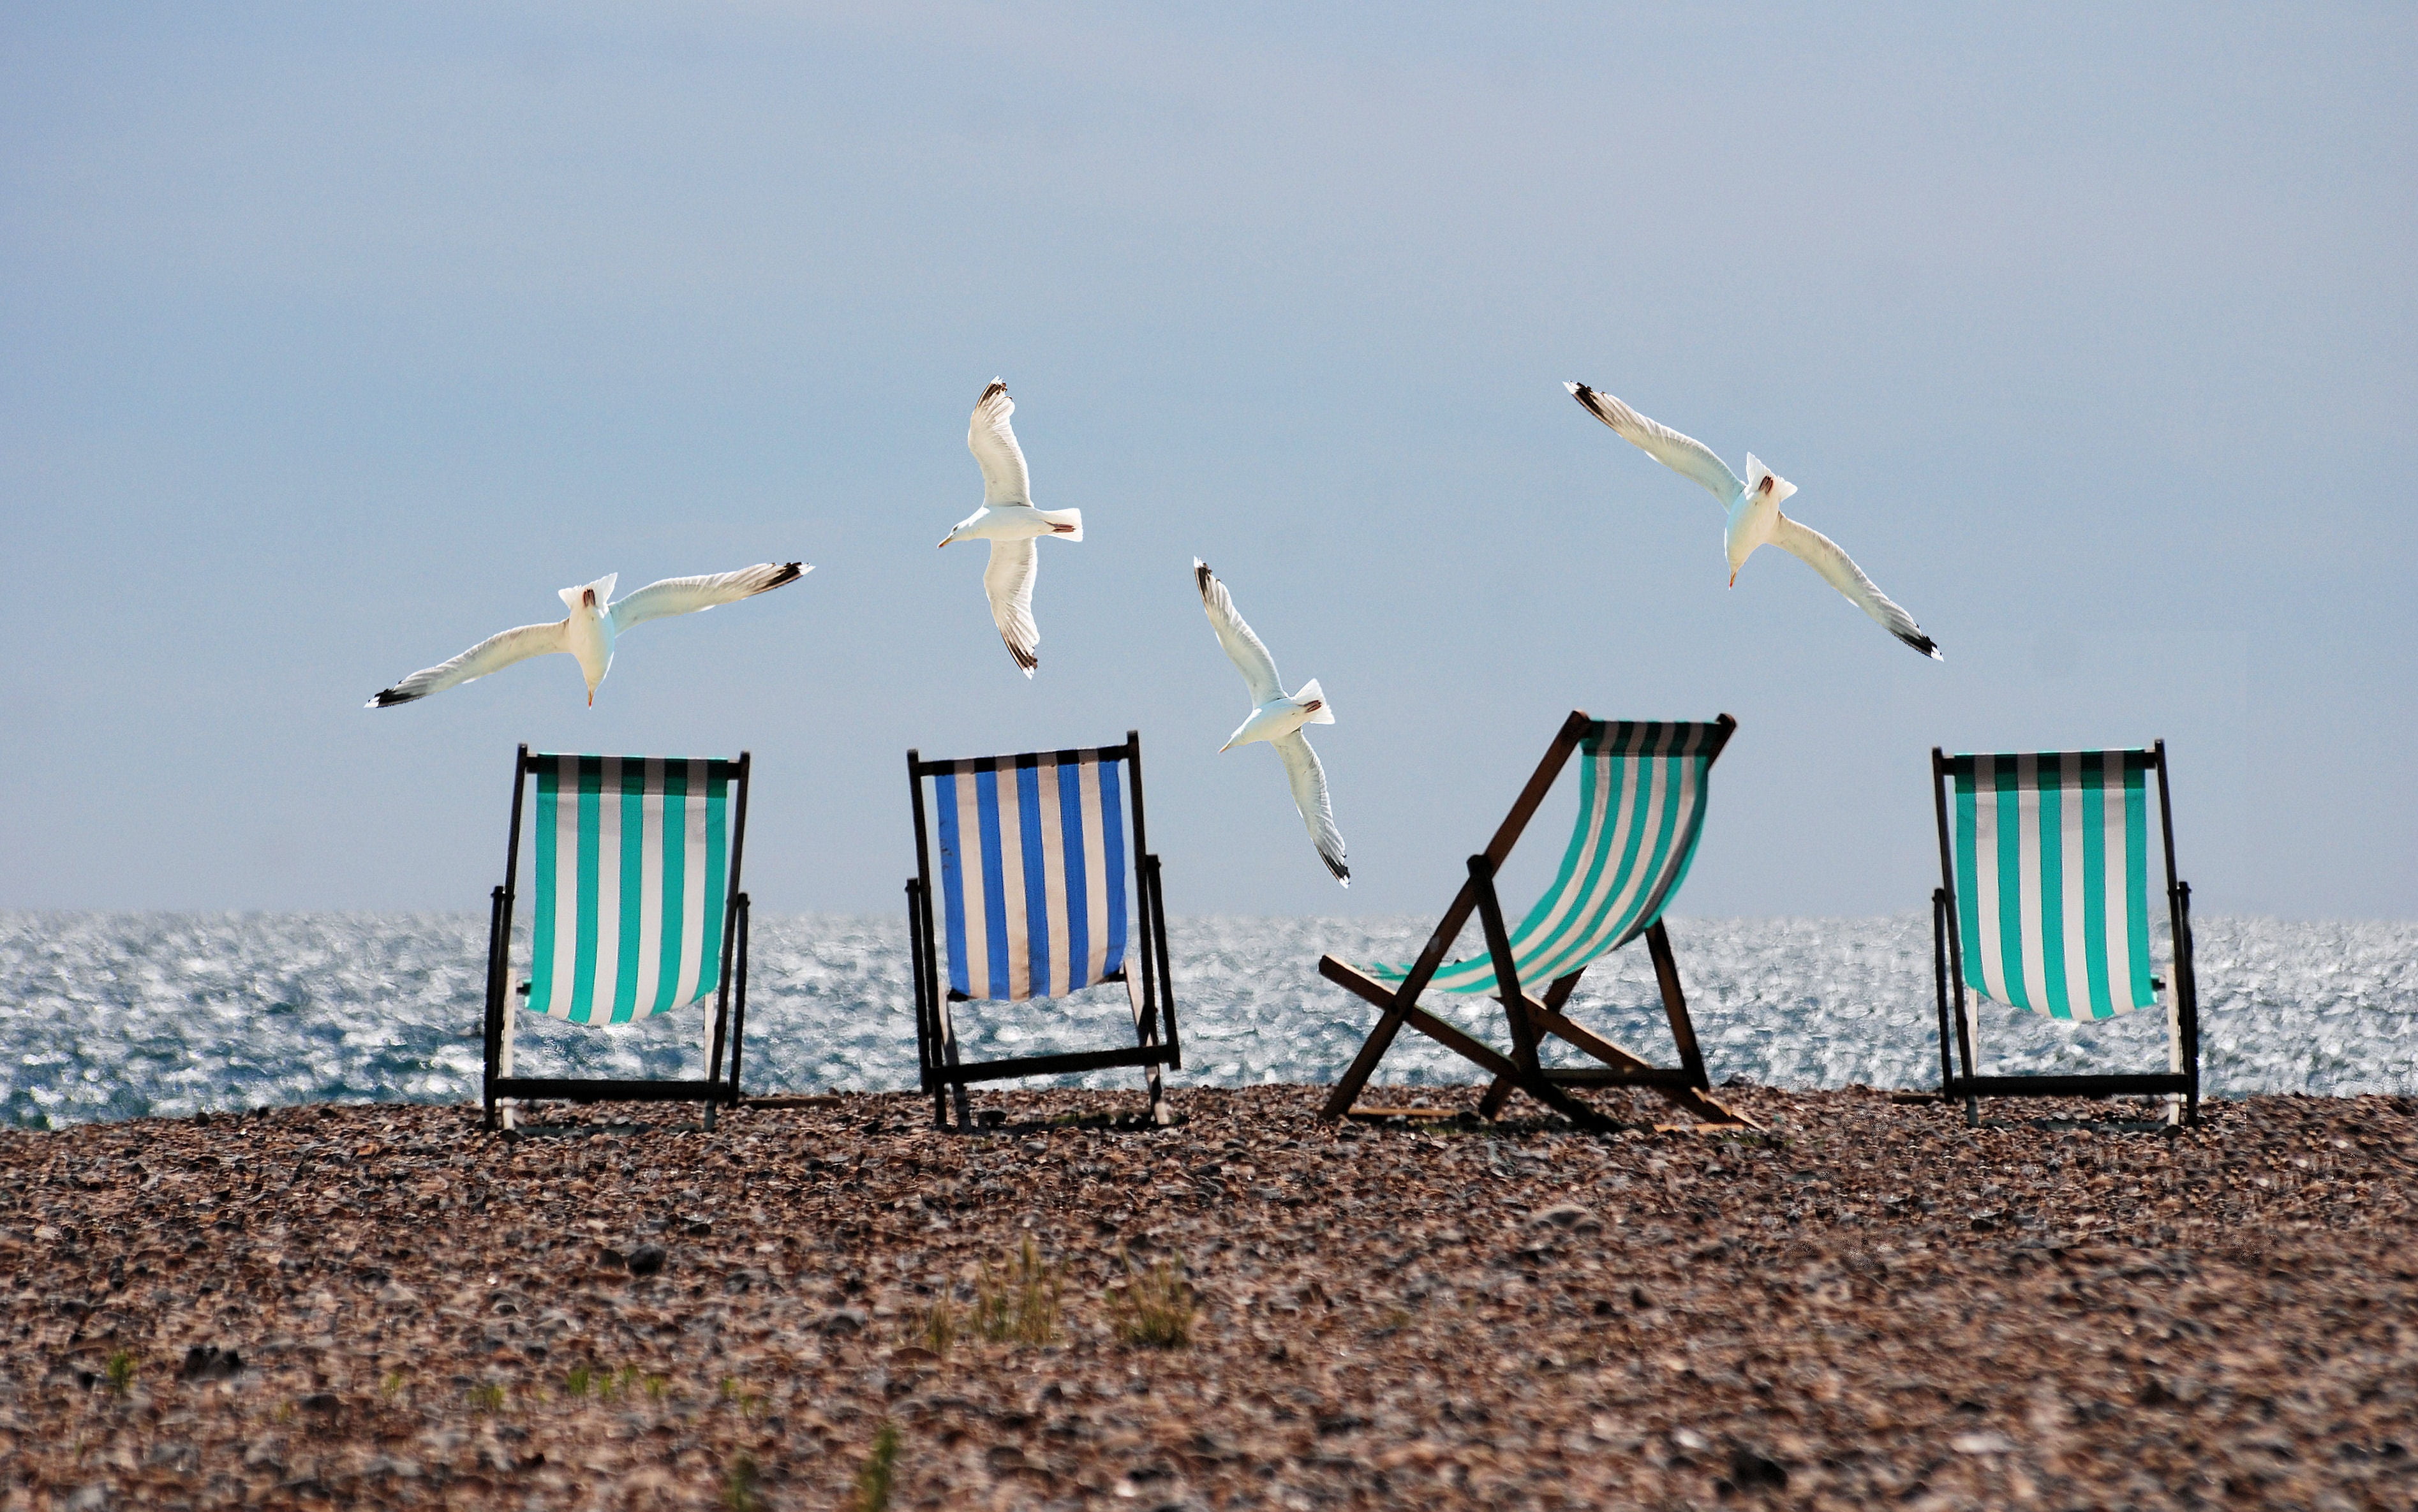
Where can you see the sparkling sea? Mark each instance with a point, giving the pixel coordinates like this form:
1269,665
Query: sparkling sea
120,1016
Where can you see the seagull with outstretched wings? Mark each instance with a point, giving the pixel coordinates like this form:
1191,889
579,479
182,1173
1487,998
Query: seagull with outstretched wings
1753,504
589,630
1277,718
1009,522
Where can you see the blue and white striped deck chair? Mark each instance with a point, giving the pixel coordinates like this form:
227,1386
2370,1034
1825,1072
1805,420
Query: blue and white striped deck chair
636,912
1641,794
1030,903
2043,905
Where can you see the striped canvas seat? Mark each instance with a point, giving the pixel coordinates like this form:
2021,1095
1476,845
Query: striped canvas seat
637,912
630,857
2044,905
1641,809
2053,879
1033,873
1642,790
1030,902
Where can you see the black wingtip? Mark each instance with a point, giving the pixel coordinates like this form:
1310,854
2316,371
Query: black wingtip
1922,642
996,387
1342,873
1201,576
789,573
389,697
1027,660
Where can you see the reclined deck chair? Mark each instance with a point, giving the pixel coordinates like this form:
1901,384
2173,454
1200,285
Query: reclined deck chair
2044,904
637,913
1032,904
1642,790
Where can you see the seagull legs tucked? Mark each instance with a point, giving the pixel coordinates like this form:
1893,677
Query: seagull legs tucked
1277,718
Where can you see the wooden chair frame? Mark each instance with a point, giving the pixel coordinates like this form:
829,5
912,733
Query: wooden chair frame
1530,1018
1957,1077
1150,986
730,999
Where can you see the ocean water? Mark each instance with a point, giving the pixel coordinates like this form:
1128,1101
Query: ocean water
119,1015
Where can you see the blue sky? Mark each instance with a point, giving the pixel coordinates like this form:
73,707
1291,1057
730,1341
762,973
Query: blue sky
336,340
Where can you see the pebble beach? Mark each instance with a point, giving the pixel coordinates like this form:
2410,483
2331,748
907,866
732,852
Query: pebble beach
1865,1302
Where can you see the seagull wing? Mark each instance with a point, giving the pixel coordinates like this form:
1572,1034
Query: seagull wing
492,655
1308,781
1008,580
687,595
1244,648
1683,455
1822,554
989,437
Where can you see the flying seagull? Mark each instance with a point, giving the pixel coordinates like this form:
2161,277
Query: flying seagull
1277,719
1754,517
1009,522
589,630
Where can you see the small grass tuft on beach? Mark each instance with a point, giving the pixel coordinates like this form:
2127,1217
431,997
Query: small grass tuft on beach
1155,1308
121,1372
739,1493
873,1477
938,1327
1018,1303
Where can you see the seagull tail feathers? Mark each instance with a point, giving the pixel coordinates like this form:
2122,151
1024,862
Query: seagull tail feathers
1755,475
1311,692
1066,524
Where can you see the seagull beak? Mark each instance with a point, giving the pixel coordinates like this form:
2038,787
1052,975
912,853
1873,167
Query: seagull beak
591,697
1223,748
1734,580
946,538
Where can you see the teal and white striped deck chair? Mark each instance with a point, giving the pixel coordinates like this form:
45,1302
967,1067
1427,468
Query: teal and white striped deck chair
1030,903
2043,905
1641,794
637,912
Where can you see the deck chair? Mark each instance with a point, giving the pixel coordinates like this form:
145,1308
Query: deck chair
2044,904
637,913
1642,792
1031,904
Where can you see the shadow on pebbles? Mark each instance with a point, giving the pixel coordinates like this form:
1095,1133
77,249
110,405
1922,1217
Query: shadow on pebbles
1867,1304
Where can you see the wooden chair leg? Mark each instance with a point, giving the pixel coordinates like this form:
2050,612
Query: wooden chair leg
1674,1004
1373,1049
1557,992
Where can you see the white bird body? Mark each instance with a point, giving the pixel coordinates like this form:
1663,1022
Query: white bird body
1751,504
1016,522
1282,716
589,632
1010,521
1277,718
